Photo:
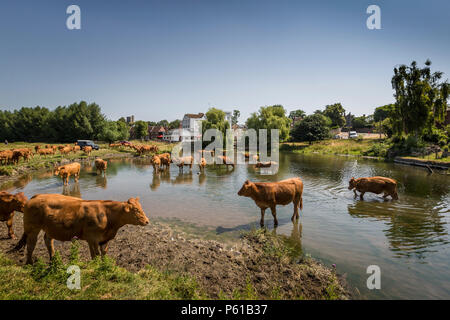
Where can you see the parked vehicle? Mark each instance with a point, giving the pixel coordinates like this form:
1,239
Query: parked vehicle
85,143
352,135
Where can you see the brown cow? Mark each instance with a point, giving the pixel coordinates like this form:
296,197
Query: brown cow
270,194
36,148
64,218
65,150
184,161
75,149
165,160
46,151
6,156
202,164
374,184
8,204
267,164
156,163
68,169
101,165
87,150
226,161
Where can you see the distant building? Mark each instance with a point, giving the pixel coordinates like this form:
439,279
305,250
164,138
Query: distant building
156,132
191,125
130,119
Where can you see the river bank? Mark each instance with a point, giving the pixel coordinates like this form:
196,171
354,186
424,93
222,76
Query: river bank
369,149
260,265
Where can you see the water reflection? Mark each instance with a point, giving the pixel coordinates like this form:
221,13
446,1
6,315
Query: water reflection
410,230
72,190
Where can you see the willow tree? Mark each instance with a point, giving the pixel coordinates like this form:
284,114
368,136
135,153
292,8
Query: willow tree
421,99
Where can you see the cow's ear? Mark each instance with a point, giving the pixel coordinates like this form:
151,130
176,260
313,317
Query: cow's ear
127,208
137,198
247,182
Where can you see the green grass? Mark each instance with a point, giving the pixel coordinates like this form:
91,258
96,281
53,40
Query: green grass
100,279
350,146
38,162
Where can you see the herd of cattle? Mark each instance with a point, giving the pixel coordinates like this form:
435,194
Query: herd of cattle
97,221
13,156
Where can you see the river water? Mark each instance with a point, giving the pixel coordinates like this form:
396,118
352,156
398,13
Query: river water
408,239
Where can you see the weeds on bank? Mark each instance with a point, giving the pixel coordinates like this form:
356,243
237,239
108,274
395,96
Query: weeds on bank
101,278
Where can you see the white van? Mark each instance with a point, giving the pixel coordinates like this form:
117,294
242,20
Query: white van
352,135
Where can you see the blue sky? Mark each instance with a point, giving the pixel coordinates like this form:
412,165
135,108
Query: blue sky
161,59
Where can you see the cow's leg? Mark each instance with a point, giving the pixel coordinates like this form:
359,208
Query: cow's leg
261,222
49,244
274,214
31,244
296,205
93,248
9,224
104,248
361,196
354,190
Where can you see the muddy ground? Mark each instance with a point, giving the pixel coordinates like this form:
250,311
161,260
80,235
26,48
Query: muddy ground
220,271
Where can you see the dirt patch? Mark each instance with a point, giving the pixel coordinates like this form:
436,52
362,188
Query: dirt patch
255,266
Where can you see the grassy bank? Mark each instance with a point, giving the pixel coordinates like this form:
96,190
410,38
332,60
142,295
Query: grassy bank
350,147
100,279
382,148
49,161
266,266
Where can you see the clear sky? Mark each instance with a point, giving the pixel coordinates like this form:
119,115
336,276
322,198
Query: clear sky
161,59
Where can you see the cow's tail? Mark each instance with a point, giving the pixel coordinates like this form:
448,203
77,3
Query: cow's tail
21,244
301,202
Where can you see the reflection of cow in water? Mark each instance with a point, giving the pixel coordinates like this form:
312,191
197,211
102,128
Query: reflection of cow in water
73,190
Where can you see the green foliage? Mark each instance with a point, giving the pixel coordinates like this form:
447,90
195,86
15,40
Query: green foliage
297,113
421,99
271,117
336,113
382,112
312,128
64,124
140,129
215,119
174,124
163,123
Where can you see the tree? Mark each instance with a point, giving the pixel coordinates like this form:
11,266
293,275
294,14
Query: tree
109,132
174,124
140,129
163,123
336,113
235,117
382,112
270,117
297,114
312,128
421,99
215,119
123,131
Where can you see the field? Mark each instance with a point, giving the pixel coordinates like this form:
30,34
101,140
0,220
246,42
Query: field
49,161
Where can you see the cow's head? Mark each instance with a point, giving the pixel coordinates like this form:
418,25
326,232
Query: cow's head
19,201
246,189
352,183
135,213
57,170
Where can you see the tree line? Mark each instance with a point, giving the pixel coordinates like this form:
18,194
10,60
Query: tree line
63,124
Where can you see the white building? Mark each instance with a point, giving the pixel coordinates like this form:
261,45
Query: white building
229,117
191,125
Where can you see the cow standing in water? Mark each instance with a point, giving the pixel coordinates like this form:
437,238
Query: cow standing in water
374,184
63,218
270,194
